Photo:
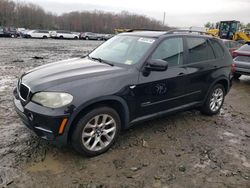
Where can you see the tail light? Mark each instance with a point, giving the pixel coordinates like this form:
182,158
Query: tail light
233,66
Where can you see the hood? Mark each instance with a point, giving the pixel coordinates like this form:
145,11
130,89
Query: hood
53,74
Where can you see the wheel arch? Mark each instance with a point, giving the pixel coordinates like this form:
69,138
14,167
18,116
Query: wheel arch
223,81
115,102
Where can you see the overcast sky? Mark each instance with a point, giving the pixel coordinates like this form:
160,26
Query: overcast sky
180,13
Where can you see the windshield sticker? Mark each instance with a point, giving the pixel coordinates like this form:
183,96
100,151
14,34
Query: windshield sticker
147,40
128,62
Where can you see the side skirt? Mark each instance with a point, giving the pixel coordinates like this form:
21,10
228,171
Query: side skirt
165,112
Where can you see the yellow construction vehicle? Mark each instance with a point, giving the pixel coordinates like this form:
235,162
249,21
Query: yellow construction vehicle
120,30
229,30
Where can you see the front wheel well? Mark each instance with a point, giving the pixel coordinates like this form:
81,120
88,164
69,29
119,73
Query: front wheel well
116,105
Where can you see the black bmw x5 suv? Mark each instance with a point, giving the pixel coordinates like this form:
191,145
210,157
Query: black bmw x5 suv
130,78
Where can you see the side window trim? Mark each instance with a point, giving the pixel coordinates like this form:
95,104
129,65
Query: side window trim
184,50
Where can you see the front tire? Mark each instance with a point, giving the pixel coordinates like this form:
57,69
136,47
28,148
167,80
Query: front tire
96,132
214,101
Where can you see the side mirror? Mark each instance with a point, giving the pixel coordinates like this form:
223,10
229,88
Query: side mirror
155,65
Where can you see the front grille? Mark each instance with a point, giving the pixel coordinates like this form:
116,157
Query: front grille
24,91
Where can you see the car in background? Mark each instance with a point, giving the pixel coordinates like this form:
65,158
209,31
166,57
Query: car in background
8,32
19,31
77,33
12,31
60,34
241,60
91,36
231,45
107,36
24,33
2,32
42,34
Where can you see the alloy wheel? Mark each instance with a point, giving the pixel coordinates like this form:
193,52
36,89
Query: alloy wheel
216,99
99,132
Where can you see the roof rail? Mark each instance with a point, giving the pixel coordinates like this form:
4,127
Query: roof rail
188,31
133,30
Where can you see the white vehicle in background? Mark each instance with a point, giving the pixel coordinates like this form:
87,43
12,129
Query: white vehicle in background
42,34
64,35
196,28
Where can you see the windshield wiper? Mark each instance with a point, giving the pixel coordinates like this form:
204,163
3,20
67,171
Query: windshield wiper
101,60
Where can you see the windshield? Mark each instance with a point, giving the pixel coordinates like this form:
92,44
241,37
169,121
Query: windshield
123,49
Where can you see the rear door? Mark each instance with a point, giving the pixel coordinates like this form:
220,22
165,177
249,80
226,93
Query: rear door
201,63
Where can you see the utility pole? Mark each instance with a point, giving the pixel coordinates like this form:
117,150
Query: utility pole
164,16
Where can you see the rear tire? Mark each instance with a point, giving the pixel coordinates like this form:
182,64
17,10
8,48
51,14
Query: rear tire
214,101
236,76
45,37
61,37
96,132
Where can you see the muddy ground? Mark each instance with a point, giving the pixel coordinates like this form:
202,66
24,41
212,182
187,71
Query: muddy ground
183,150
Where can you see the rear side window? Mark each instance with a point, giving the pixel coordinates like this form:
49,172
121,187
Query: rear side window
170,50
199,50
219,51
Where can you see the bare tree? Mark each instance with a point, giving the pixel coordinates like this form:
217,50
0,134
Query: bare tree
28,15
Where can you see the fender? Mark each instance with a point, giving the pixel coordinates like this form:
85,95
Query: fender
223,78
93,101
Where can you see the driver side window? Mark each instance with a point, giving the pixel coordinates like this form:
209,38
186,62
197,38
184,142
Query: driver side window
170,50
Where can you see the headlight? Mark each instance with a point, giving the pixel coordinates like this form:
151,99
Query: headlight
52,99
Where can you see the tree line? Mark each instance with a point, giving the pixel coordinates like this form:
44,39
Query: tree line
32,16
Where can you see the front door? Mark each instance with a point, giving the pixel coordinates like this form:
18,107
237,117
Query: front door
165,90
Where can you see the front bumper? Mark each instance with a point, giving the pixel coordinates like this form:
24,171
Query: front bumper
43,121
